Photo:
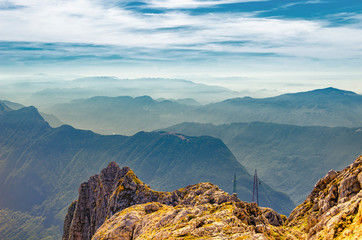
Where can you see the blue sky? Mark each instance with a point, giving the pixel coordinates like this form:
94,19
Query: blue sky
232,43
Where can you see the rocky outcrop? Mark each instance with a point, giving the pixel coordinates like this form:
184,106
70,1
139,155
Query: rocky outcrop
333,210
229,220
116,189
273,217
89,212
117,205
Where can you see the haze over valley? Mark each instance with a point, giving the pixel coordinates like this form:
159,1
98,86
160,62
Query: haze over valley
180,119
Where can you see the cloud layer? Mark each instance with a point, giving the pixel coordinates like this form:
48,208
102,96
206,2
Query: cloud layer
173,30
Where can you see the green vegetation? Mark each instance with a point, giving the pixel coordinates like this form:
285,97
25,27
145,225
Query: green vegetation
284,154
344,223
19,225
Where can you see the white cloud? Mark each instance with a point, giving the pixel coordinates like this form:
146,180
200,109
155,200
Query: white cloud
302,2
89,21
189,4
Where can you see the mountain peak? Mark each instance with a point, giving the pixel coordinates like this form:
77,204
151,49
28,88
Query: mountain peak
334,208
332,90
25,116
144,99
4,107
118,210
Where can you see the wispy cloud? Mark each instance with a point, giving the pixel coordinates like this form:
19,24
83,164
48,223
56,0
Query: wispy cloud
94,29
187,4
302,3
6,6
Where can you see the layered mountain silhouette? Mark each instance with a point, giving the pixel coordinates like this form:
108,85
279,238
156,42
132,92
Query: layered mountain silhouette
87,87
41,167
126,115
323,107
284,154
51,119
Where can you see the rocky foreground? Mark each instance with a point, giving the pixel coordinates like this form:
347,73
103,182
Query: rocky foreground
117,205
333,210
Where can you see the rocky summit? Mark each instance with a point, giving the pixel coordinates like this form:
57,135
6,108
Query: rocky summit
333,210
117,205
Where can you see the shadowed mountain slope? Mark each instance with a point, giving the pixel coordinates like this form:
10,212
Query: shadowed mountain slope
284,154
41,167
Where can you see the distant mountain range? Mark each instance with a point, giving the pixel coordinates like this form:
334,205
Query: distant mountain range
45,93
323,107
284,154
42,167
126,115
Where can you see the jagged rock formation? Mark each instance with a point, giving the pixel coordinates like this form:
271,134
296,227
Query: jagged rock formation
273,217
209,210
333,210
229,220
87,214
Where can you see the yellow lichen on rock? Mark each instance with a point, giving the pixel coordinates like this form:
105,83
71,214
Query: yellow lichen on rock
207,221
352,228
333,209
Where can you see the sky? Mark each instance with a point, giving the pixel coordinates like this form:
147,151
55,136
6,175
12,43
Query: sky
282,45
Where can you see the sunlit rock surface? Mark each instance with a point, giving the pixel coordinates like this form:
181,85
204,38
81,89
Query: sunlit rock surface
333,210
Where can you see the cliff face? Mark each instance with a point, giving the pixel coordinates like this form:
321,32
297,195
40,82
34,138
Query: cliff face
116,189
88,213
333,210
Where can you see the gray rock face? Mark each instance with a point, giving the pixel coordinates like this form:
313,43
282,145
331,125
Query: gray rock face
88,213
116,189
68,219
273,217
334,207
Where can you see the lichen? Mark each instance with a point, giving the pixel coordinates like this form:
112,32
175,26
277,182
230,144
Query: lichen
344,223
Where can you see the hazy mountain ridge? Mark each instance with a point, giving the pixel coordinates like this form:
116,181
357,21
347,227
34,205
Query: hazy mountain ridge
51,119
88,87
323,107
40,165
284,154
11,105
121,114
